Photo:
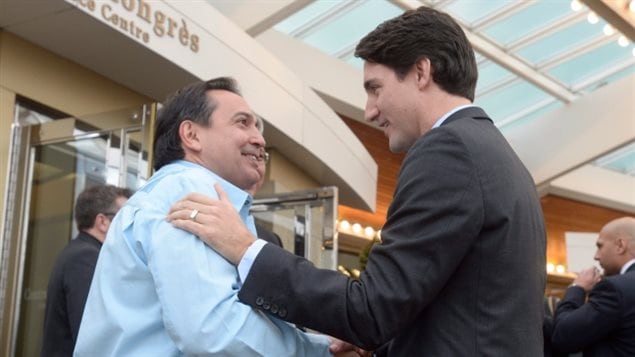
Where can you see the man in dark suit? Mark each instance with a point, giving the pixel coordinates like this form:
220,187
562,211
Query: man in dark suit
461,267
73,270
604,325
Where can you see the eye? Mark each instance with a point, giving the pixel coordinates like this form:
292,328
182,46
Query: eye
242,120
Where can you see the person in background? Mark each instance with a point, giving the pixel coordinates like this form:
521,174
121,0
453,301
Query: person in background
597,313
262,232
461,267
73,270
158,290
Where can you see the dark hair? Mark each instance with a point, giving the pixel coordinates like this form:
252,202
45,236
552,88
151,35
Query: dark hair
189,103
401,42
95,200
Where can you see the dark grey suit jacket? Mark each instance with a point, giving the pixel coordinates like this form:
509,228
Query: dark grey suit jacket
66,295
460,272
604,325
269,236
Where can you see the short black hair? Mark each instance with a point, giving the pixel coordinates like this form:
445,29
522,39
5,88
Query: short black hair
424,32
95,200
188,103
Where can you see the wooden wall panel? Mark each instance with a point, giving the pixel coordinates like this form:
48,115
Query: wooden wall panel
563,214
388,169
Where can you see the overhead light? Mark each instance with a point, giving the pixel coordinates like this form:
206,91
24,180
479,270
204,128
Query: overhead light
344,225
550,267
608,30
560,269
622,41
369,232
576,5
592,17
357,228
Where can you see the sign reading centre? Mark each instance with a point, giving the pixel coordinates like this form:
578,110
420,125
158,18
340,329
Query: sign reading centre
138,19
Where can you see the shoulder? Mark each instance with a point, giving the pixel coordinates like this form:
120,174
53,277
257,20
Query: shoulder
172,183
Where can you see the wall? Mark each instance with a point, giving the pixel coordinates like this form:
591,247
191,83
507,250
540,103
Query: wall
30,71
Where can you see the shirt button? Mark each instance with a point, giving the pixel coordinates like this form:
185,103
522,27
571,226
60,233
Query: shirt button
274,309
259,300
266,305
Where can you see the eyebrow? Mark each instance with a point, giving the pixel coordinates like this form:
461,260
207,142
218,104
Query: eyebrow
259,122
368,84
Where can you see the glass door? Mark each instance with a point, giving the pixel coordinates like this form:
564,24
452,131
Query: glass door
59,159
304,221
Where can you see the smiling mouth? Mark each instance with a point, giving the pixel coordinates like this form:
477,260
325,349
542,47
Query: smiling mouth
257,156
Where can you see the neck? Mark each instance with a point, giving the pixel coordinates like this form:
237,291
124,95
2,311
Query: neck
96,233
441,103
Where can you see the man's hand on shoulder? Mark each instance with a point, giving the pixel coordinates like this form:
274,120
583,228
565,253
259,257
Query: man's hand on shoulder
215,221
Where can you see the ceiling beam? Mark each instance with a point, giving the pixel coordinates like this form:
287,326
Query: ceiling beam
497,54
616,13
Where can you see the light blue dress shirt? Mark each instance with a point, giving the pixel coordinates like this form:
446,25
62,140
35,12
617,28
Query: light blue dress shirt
160,291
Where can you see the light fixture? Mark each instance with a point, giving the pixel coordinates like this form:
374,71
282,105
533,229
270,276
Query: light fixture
622,41
560,269
608,30
357,228
369,232
576,5
550,267
344,225
593,18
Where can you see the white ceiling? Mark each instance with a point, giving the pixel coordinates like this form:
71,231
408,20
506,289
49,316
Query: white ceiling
543,67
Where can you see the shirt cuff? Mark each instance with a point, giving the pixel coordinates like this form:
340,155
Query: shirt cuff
244,267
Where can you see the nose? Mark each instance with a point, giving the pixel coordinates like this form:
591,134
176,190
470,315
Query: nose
371,111
256,139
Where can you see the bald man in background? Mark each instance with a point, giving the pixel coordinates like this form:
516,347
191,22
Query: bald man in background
605,324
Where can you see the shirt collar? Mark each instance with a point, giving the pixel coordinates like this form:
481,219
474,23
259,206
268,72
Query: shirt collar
627,265
240,199
447,115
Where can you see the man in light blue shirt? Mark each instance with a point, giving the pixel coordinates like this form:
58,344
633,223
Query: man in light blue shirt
160,291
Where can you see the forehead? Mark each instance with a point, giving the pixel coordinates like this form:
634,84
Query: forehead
376,71
230,105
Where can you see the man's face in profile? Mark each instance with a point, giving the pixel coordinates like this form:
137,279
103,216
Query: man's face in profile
233,145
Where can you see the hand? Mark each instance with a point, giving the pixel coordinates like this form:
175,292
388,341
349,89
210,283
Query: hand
217,223
341,348
588,278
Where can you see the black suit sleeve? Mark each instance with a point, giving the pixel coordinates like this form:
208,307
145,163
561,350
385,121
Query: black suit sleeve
77,281
578,324
435,216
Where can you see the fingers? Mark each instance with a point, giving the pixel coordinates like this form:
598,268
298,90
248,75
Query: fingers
222,195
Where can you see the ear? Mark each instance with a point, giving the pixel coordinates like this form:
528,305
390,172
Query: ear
101,223
621,245
189,134
423,72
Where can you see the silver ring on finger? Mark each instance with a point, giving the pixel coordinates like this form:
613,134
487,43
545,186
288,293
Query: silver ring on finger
193,215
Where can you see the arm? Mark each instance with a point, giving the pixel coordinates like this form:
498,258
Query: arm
197,289
434,218
578,324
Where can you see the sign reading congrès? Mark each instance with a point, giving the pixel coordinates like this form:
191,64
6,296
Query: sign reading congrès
140,20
